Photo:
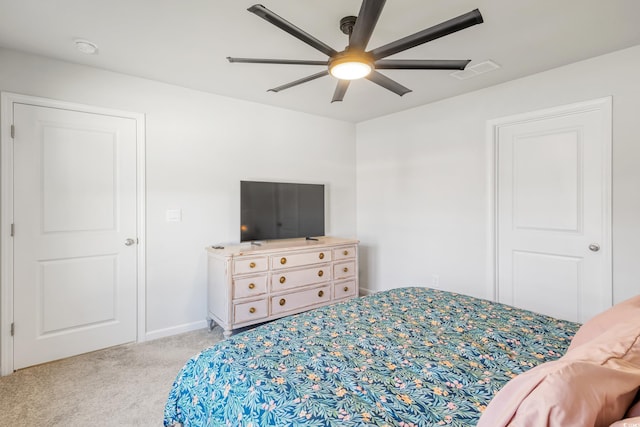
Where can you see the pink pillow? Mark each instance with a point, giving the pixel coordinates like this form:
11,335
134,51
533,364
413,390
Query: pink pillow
592,385
625,311
627,422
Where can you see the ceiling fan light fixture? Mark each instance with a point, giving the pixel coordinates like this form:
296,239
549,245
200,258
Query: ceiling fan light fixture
350,70
350,67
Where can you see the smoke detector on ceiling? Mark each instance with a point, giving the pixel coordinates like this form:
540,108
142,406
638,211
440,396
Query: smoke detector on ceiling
475,70
86,47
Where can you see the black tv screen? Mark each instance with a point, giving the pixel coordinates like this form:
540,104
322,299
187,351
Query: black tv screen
275,210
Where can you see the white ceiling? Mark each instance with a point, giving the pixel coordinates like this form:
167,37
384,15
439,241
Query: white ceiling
185,42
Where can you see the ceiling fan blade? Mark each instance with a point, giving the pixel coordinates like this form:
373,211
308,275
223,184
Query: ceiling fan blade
421,64
276,61
445,28
365,23
287,26
341,89
300,81
387,83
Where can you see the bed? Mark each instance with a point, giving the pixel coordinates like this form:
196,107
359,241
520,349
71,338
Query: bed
403,357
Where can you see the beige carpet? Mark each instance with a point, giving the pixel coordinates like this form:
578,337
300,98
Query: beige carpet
120,386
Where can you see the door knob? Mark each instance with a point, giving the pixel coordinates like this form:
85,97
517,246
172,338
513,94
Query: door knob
594,247
129,242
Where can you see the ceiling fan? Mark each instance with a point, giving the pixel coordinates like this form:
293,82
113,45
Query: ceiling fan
354,62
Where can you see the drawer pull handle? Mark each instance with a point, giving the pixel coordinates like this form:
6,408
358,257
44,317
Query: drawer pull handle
345,269
346,289
283,260
321,256
345,253
252,265
283,301
321,293
252,310
320,273
252,285
283,279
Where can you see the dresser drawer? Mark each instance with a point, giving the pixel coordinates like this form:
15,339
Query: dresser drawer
344,253
246,311
288,260
250,265
248,286
287,279
300,299
344,270
344,289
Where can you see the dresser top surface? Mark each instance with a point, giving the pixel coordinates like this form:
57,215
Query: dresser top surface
269,246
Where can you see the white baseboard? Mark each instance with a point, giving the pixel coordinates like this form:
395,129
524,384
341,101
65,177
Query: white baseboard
366,292
175,330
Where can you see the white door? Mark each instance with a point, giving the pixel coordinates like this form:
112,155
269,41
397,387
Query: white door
554,177
74,209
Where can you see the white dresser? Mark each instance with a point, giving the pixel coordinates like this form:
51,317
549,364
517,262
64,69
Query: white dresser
250,284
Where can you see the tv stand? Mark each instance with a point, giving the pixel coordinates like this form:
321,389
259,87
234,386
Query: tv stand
247,285
311,238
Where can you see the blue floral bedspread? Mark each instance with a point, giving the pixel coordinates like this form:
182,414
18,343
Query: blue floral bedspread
404,357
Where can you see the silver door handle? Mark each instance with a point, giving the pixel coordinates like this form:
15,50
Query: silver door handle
594,247
129,242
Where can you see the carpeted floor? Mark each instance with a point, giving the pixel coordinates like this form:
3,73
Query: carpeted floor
120,386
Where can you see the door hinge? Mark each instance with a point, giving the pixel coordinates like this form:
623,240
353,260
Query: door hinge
13,329
13,131
13,230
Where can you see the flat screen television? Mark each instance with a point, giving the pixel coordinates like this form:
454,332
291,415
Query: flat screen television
276,210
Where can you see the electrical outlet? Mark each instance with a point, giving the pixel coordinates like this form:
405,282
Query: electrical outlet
174,215
435,280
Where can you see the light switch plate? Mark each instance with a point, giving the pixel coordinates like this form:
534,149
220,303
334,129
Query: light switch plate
174,215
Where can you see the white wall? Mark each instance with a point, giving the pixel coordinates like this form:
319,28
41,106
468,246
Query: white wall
199,147
423,198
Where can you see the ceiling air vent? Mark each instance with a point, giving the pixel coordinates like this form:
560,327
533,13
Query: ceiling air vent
475,70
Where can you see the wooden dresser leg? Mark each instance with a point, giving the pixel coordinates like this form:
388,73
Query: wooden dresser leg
227,333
